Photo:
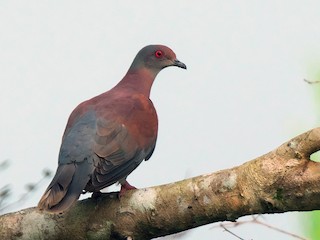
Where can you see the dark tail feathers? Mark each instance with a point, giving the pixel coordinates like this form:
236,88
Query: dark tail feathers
65,188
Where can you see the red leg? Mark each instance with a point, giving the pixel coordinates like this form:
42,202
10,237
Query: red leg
125,186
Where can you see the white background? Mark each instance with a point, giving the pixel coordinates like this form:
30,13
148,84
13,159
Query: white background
242,95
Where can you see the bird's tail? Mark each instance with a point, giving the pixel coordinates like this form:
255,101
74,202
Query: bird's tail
65,188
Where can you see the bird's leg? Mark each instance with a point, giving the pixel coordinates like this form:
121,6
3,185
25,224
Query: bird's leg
96,195
124,187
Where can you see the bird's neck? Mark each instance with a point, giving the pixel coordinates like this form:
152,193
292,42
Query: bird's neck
139,81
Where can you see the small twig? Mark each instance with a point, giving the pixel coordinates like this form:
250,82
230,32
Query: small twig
4,164
255,220
278,229
30,188
227,230
311,82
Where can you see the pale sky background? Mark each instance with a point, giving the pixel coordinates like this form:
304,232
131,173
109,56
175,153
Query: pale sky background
242,95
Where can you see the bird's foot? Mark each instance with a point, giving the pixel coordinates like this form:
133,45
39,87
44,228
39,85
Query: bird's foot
125,187
96,195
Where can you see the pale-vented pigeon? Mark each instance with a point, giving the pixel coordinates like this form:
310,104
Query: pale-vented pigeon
108,136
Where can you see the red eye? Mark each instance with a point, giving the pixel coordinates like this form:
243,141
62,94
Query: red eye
158,54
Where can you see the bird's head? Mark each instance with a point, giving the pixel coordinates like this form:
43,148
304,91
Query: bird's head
156,58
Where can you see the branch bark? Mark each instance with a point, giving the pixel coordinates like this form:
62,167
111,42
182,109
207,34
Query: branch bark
282,180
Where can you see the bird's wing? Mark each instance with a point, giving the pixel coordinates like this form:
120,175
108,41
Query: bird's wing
118,151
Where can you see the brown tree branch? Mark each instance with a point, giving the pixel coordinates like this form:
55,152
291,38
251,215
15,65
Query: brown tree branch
282,180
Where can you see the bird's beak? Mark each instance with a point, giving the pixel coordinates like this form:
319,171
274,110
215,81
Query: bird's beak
177,63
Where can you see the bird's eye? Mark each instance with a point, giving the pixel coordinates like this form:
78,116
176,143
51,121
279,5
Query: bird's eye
158,54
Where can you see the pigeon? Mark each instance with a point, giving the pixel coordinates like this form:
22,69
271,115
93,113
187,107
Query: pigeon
109,135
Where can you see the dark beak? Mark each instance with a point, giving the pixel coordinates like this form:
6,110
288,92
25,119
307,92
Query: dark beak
179,64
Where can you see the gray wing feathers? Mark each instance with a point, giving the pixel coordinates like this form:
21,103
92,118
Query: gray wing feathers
78,141
106,174
118,152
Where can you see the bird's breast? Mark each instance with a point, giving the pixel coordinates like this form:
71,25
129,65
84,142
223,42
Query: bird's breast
142,119
136,112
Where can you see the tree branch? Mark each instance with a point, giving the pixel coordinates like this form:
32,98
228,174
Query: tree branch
282,180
